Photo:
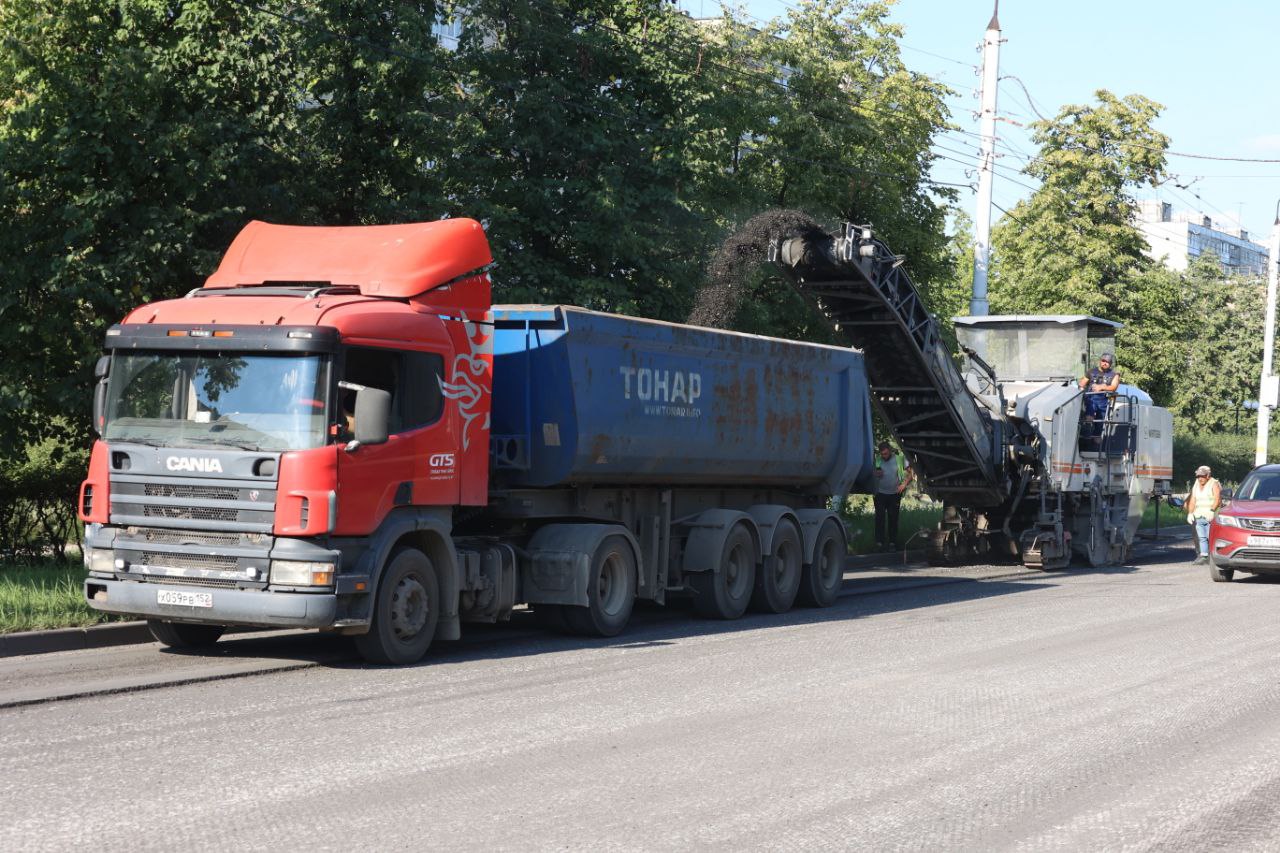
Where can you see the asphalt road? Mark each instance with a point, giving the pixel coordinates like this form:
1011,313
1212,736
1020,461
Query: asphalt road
1126,708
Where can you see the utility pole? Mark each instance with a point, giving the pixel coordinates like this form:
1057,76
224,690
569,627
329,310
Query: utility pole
986,170
1269,387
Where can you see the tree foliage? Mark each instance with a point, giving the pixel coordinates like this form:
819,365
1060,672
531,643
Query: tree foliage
607,145
1072,247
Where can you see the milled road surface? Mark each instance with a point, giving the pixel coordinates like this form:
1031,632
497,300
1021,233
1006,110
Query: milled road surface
1127,708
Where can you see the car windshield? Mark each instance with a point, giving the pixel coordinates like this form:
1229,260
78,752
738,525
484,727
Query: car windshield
1260,486
198,399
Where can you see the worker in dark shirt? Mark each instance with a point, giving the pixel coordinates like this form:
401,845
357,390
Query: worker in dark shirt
1098,384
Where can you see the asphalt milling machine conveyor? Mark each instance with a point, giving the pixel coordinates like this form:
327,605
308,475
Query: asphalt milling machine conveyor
1007,444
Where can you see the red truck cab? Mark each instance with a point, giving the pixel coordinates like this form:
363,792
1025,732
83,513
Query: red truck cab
266,440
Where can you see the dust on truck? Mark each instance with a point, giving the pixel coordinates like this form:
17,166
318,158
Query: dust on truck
339,431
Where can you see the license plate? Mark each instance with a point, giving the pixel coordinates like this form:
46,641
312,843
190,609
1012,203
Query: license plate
1264,541
179,598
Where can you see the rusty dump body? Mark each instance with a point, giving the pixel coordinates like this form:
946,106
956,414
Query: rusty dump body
582,397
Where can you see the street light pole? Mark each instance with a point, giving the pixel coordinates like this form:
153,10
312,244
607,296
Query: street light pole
1267,388
986,164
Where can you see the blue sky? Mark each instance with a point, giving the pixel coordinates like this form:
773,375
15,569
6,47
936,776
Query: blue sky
1210,65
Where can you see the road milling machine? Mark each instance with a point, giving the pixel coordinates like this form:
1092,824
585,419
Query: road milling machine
1003,437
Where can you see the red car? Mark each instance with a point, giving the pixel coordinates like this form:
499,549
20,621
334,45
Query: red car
1245,535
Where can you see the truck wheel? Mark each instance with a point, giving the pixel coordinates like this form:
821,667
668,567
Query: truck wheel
611,592
1220,575
406,611
726,592
778,580
820,580
183,635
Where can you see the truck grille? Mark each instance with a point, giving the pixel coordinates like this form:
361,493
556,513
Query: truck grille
202,513
185,537
228,507
210,493
1271,525
189,561
224,583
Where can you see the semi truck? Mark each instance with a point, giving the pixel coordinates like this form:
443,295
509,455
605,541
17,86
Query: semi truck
339,431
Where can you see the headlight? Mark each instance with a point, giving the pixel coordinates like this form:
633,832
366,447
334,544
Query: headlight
100,560
1227,520
301,573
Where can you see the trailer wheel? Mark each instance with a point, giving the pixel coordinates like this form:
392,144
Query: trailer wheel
611,592
183,635
778,580
820,580
726,592
406,611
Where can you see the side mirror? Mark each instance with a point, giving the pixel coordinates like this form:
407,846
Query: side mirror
373,413
100,372
1176,501
1227,495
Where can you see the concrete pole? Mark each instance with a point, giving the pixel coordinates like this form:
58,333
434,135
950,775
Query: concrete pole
986,169
1266,388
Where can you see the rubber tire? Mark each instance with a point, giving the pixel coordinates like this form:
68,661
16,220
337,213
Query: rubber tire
821,578
778,579
726,592
1220,575
611,591
184,635
409,572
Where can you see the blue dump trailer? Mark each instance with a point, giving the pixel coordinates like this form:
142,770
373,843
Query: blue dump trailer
639,459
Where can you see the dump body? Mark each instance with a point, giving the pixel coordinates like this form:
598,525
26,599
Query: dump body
582,397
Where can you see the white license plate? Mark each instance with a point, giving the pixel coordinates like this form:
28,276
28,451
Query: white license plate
1264,541
179,598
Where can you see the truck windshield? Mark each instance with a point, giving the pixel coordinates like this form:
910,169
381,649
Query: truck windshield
195,399
1030,351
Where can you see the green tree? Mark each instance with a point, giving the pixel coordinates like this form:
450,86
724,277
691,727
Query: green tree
135,140
577,145
1221,353
1072,247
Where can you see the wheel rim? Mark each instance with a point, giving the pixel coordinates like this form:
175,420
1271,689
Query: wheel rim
829,569
737,571
786,564
611,585
409,608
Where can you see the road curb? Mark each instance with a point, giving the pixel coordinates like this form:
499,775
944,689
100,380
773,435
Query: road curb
71,639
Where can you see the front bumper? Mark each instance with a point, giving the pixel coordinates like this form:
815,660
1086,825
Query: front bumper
1229,549
230,606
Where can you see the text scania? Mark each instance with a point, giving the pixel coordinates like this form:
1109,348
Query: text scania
668,392
193,463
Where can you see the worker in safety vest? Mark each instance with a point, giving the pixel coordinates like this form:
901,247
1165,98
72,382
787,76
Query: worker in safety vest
893,475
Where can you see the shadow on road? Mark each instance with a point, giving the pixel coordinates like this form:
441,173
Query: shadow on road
861,597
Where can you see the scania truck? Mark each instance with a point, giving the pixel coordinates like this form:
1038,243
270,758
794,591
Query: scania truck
339,431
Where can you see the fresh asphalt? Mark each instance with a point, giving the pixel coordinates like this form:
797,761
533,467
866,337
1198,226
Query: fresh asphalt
984,708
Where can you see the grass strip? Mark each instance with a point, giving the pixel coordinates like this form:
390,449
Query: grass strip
42,595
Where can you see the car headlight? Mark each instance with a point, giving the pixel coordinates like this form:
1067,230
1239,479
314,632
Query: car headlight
100,560
1227,520
301,573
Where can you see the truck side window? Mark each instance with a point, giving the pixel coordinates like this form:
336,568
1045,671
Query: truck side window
377,368
413,378
422,399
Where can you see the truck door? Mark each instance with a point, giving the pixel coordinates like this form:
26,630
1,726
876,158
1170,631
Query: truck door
408,469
